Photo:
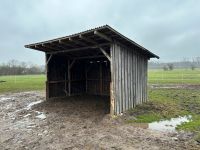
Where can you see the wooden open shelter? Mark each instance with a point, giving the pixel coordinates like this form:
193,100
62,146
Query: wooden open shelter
99,61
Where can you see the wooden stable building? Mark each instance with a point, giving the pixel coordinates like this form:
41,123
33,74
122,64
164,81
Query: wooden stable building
100,61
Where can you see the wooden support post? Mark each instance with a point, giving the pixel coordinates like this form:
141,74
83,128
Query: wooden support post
47,77
69,79
101,79
111,99
86,81
65,90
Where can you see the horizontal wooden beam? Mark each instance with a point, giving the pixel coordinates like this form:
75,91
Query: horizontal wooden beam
41,48
103,36
79,49
77,42
90,57
50,47
64,43
87,39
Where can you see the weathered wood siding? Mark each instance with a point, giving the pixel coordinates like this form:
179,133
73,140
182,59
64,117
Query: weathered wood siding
129,77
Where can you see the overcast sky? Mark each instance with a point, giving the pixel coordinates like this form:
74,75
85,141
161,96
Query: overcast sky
169,28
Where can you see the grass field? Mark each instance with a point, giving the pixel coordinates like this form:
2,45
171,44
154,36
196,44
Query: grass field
177,76
36,82
22,83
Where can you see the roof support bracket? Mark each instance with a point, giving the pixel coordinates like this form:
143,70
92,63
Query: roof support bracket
71,64
105,53
49,59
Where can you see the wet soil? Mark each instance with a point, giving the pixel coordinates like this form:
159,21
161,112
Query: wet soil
27,121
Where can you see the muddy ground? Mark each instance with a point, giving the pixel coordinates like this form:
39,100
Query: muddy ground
27,121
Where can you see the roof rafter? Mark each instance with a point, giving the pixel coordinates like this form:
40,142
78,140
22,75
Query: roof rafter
77,42
103,36
87,39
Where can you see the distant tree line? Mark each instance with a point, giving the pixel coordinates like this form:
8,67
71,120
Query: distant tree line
186,63
14,67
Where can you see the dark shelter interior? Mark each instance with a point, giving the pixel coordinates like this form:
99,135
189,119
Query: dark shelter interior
68,77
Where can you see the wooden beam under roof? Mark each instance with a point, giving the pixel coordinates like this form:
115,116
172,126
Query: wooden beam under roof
102,36
41,48
50,47
64,43
87,39
77,42
79,49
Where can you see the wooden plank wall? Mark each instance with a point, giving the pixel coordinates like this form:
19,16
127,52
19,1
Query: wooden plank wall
129,77
98,78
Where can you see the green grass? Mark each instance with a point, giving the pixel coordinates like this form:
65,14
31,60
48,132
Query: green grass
177,76
22,83
170,103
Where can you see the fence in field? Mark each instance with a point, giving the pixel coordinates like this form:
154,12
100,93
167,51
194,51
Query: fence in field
175,76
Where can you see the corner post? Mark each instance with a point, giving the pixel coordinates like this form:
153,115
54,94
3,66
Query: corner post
47,76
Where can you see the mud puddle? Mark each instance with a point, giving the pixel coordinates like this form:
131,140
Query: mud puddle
164,125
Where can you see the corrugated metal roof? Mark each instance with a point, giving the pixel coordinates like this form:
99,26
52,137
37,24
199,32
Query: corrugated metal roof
104,27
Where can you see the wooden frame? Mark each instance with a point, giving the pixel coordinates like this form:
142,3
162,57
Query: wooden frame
75,64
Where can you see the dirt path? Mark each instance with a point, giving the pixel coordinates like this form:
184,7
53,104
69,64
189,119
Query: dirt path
29,122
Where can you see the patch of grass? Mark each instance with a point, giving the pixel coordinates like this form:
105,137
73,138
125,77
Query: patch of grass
146,118
176,76
169,103
193,125
22,83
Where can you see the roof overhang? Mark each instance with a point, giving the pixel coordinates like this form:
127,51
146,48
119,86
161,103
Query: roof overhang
91,39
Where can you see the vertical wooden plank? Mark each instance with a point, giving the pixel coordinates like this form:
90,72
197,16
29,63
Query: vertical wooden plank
146,80
131,80
117,80
124,79
120,78
127,79
112,83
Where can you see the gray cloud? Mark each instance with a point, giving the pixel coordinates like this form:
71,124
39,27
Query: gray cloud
168,28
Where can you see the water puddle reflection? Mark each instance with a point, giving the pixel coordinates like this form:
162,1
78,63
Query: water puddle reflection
164,125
